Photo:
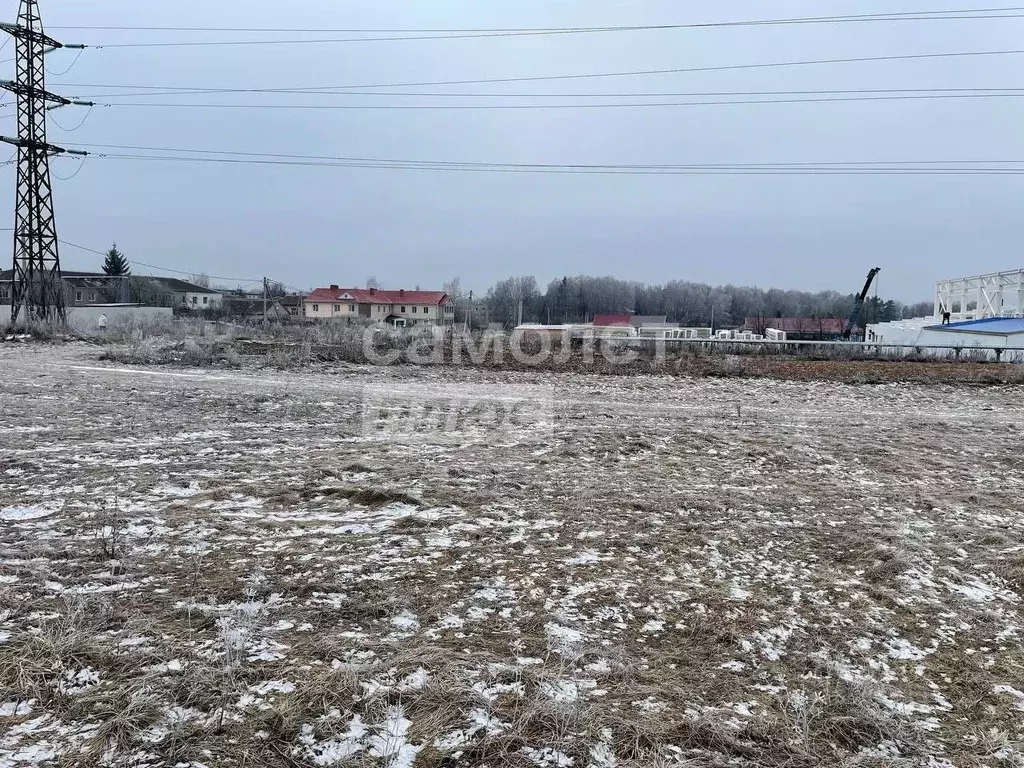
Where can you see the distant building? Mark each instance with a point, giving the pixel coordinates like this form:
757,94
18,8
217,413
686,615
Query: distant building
173,292
797,328
252,308
81,289
294,305
399,308
977,338
607,321
651,321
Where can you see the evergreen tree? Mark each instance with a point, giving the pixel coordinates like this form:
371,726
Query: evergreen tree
115,264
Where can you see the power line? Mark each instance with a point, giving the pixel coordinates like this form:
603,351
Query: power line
447,34
632,94
478,107
611,170
162,269
574,95
584,76
406,161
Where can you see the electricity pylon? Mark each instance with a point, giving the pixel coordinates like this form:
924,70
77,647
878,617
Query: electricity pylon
37,291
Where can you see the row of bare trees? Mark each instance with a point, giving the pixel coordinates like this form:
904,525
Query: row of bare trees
578,299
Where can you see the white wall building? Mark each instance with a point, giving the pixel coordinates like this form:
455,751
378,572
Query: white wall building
993,338
979,315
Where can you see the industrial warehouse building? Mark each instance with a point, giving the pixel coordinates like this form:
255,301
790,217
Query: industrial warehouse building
992,338
982,315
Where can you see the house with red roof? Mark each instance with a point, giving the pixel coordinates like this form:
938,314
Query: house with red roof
609,321
399,308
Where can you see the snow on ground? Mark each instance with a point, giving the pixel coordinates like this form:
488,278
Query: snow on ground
702,572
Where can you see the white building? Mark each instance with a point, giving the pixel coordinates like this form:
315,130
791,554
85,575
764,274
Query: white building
982,316
184,294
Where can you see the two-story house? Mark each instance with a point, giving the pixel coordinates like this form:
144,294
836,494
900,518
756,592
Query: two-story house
399,308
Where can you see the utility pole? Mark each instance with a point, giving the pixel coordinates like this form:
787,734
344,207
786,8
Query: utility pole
37,287
264,301
469,320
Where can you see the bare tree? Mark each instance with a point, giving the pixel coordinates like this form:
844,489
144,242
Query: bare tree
454,289
372,282
202,280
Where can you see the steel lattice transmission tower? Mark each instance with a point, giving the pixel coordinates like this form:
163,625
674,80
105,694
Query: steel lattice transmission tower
37,289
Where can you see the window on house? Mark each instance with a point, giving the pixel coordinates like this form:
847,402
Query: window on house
78,295
316,307
426,310
92,295
403,309
195,300
337,307
351,307
205,299
414,310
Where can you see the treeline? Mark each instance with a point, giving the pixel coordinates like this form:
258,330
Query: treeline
578,299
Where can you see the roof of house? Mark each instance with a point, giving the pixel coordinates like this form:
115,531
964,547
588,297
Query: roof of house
992,325
292,300
180,286
7,275
638,321
797,324
606,320
376,296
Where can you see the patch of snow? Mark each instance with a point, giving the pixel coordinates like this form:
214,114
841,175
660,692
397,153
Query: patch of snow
651,705
406,620
391,744
332,751
16,708
1011,691
272,686
563,635
586,557
548,757
17,514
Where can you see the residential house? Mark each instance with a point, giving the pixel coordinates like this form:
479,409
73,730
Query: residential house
399,308
609,321
252,308
294,305
652,321
183,294
81,289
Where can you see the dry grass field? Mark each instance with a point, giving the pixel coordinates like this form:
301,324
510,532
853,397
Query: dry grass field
225,568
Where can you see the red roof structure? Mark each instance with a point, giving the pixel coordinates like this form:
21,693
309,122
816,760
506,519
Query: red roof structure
610,320
376,296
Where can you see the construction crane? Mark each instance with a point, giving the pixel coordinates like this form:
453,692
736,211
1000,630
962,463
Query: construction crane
858,304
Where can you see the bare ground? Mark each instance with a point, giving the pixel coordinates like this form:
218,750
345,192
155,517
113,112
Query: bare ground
223,568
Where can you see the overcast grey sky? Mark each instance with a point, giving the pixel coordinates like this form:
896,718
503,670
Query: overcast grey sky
315,226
